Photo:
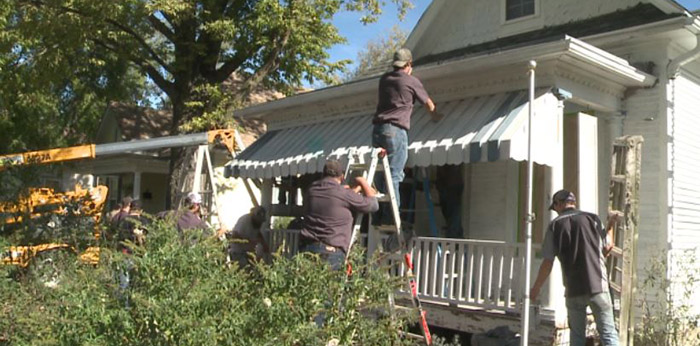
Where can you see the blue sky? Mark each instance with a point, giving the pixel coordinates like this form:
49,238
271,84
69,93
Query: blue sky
358,34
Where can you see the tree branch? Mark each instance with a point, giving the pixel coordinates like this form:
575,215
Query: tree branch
228,67
272,63
165,85
142,42
162,28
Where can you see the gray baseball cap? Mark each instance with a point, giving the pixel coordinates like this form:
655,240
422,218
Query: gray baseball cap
402,57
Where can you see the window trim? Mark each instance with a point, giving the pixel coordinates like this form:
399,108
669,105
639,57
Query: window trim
504,9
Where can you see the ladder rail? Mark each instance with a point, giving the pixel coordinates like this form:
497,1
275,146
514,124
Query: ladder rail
368,171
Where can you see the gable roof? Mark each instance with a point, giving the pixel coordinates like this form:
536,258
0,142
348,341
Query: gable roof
638,15
134,122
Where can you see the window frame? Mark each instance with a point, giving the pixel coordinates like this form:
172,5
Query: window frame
504,10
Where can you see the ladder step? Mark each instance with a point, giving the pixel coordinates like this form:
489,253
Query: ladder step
412,336
383,197
359,167
618,178
386,228
363,167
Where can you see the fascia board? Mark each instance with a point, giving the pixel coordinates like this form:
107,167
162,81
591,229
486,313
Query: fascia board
642,31
568,49
608,65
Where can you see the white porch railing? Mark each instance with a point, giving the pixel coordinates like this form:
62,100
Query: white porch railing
479,273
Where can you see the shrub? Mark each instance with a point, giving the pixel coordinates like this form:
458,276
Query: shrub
667,306
186,294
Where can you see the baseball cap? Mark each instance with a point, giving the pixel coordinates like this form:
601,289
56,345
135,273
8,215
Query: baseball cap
402,57
332,168
194,198
562,196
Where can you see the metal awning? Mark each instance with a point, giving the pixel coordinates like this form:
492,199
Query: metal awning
475,129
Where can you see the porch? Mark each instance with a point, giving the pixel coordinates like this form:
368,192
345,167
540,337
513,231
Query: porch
464,284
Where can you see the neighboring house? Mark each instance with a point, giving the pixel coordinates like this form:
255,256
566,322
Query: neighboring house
604,69
143,175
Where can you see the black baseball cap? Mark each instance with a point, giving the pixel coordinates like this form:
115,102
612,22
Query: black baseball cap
562,196
332,169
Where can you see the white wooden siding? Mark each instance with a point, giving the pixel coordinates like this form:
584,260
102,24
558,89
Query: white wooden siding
468,22
685,226
646,116
684,154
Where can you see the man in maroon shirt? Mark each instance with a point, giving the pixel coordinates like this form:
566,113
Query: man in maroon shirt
398,91
328,216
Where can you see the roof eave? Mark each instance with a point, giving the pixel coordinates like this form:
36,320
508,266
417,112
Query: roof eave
569,49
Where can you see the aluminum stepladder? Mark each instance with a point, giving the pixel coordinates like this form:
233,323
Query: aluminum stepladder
379,162
203,182
624,200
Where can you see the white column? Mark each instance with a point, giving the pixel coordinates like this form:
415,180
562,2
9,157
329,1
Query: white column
554,299
136,193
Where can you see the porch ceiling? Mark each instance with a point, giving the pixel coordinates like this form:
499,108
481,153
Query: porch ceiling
474,129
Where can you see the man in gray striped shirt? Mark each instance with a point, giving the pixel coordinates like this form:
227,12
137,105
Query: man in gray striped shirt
581,243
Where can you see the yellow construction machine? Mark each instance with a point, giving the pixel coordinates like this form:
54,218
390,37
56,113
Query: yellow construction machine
85,203
39,204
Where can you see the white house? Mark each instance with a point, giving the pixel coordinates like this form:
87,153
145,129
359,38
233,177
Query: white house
605,68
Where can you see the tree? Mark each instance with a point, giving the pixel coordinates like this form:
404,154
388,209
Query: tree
51,96
186,47
376,56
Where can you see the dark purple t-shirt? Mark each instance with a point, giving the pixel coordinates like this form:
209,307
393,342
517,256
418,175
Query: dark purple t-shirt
329,211
397,93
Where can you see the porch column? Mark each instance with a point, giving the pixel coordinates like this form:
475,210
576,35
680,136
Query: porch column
555,290
266,200
136,192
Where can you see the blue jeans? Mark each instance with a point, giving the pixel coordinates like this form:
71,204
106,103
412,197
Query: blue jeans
395,140
336,259
602,308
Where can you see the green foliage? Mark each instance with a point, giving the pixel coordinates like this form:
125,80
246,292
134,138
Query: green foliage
378,53
669,312
214,104
53,87
187,295
179,46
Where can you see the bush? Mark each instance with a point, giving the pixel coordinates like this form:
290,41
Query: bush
669,316
188,295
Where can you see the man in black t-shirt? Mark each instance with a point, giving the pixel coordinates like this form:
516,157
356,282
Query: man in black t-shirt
580,242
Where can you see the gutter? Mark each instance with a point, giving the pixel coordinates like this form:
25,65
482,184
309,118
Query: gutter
638,31
569,48
674,66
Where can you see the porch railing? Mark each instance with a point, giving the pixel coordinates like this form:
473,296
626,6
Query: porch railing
479,273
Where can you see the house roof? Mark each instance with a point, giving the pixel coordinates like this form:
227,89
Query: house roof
136,122
638,15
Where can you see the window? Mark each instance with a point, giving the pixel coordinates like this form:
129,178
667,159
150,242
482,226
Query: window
519,8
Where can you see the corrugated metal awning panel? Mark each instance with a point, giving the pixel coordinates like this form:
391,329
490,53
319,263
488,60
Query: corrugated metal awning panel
460,137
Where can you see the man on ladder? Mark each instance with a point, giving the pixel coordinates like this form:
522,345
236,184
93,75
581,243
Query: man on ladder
329,214
398,90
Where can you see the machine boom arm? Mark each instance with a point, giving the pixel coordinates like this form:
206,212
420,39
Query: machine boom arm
89,151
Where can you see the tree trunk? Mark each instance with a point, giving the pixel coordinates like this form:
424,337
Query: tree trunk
182,160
